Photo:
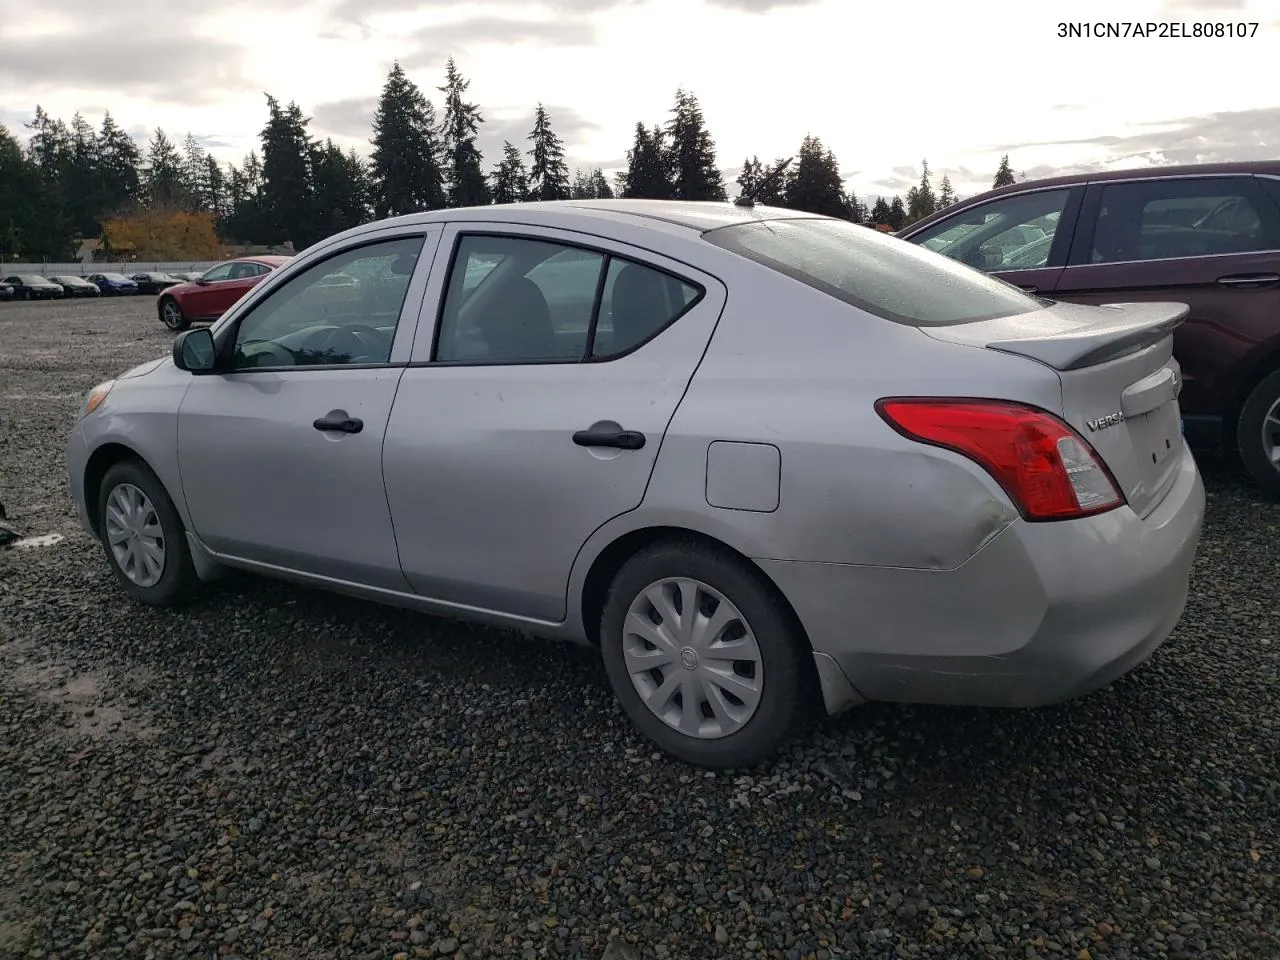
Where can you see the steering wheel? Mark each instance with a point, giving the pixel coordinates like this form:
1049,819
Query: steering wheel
361,342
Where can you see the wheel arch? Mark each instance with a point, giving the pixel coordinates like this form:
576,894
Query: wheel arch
1261,365
100,461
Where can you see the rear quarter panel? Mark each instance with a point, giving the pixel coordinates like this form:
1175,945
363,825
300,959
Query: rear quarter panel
797,369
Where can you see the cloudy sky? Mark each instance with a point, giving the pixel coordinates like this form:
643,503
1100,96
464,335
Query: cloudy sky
883,85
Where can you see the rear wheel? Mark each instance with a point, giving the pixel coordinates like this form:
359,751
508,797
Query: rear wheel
703,656
171,314
1258,434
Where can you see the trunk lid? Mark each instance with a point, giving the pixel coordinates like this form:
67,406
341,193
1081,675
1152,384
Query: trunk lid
1120,381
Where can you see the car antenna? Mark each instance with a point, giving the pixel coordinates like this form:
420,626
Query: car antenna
748,198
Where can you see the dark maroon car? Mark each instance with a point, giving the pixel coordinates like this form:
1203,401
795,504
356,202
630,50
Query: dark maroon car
1206,235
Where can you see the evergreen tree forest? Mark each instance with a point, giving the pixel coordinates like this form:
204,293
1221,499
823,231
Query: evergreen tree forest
79,180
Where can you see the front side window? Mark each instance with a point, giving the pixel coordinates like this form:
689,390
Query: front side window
220,272
890,278
520,300
1174,218
343,310
1011,233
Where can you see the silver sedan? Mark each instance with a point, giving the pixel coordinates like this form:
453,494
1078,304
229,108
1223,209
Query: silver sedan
767,463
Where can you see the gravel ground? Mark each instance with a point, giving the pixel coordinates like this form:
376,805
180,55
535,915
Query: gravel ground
279,773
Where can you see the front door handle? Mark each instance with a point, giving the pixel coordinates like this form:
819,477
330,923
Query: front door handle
336,423
1032,288
622,439
1255,280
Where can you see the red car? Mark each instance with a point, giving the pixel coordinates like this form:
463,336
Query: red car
1205,235
206,299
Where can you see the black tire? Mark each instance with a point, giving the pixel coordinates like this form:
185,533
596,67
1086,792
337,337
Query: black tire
783,649
178,575
1253,417
171,314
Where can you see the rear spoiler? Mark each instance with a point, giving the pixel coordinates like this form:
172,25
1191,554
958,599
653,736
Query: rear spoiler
1068,336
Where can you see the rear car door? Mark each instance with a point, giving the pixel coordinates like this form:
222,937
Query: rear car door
281,455
1022,238
1211,242
537,412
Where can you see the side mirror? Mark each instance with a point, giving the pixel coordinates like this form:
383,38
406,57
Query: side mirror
201,282
194,351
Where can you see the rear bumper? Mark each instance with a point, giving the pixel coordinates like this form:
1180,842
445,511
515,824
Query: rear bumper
1045,612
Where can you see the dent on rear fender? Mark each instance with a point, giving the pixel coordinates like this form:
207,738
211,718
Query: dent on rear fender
974,518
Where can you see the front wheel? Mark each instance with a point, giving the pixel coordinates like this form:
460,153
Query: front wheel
143,536
1258,434
703,656
171,314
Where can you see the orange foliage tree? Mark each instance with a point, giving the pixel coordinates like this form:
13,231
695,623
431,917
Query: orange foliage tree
163,235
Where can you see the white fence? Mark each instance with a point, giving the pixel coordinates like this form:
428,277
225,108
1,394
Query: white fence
77,269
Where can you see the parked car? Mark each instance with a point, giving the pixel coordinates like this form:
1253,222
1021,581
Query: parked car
76,286
6,291
206,299
763,460
114,284
154,282
27,286
1207,235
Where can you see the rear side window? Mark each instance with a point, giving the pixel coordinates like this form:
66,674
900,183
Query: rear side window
1195,217
890,278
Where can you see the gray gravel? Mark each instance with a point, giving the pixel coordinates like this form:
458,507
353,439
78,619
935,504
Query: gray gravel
279,773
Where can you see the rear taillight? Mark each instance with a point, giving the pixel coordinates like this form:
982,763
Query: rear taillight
1049,470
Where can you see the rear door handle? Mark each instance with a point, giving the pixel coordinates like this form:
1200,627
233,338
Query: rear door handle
1256,280
622,439
339,424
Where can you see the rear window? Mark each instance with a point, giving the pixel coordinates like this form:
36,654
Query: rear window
882,275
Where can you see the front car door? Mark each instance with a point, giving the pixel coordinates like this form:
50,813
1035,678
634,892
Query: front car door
1211,242
1022,238
536,412
203,300
280,456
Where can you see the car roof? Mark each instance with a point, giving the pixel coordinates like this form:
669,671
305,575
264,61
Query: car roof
698,215
1265,167
271,260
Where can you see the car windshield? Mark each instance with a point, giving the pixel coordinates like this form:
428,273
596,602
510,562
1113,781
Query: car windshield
31,281
885,276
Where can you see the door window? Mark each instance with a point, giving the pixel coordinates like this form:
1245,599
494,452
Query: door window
1193,217
520,300
343,310
220,272
1011,233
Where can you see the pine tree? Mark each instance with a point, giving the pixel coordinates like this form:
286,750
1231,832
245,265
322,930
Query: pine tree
548,174
946,195
288,185
600,189
880,212
195,174
581,189
163,180
692,153
1004,174
215,186
118,166
897,213
510,180
341,188
814,184
647,175
406,175
82,179
750,176
466,181
921,200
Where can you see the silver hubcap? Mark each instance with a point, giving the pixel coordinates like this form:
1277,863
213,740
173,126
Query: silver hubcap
1271,435
692,658
135,535
172,315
